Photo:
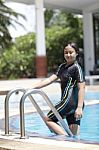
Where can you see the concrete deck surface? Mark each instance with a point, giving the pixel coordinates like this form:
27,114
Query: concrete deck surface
44,144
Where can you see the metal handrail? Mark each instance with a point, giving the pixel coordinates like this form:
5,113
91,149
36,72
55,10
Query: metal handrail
22,120
7,107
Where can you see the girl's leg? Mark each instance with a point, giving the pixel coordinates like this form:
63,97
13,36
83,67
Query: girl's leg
75,129
54,126
74,124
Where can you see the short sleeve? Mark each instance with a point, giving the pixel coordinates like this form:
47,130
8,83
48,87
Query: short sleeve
79,74
58,71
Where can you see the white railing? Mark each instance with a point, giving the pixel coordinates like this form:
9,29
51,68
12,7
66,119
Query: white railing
6,106
29,93
91,79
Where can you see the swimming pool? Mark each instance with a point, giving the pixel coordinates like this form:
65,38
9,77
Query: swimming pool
89,124
90,95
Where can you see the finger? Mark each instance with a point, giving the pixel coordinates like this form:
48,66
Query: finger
78,119
78,116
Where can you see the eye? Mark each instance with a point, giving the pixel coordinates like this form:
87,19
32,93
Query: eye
65,52
70,52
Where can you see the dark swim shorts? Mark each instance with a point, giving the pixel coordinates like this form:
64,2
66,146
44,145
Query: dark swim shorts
70,119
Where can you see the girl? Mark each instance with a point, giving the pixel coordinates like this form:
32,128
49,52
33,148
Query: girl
72,87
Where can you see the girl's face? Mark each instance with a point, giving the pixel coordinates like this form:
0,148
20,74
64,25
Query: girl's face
69,54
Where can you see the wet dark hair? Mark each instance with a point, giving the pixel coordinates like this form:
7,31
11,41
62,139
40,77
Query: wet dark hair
74,45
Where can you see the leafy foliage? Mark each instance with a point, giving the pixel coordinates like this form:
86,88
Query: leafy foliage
64,28
7,17
19,60
56,39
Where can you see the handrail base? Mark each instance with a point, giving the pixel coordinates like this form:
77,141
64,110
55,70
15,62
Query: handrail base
24,137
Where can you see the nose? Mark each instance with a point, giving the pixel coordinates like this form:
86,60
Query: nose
68,54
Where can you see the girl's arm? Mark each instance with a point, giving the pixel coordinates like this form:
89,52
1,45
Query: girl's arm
81,93
46,81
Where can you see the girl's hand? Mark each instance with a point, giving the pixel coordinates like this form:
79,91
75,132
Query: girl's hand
78,113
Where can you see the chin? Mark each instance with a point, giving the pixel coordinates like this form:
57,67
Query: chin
69,62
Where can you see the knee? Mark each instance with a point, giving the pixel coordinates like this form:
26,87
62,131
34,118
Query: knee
47,119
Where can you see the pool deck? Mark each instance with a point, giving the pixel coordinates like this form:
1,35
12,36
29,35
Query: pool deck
36,143
13,142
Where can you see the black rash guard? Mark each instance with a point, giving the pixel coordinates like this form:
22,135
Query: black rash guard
70,76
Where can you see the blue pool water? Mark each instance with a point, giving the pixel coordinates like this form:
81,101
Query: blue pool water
89,123
89,95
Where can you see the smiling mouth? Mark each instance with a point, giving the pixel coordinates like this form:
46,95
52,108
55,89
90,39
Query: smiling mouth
68,58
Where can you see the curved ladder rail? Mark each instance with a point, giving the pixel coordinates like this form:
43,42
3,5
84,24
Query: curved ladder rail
36,91
7,107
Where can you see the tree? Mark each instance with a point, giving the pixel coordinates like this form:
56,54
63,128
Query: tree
61,28
7,15
48,17
18,60
60,18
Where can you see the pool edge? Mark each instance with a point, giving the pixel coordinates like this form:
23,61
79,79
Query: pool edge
37,143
